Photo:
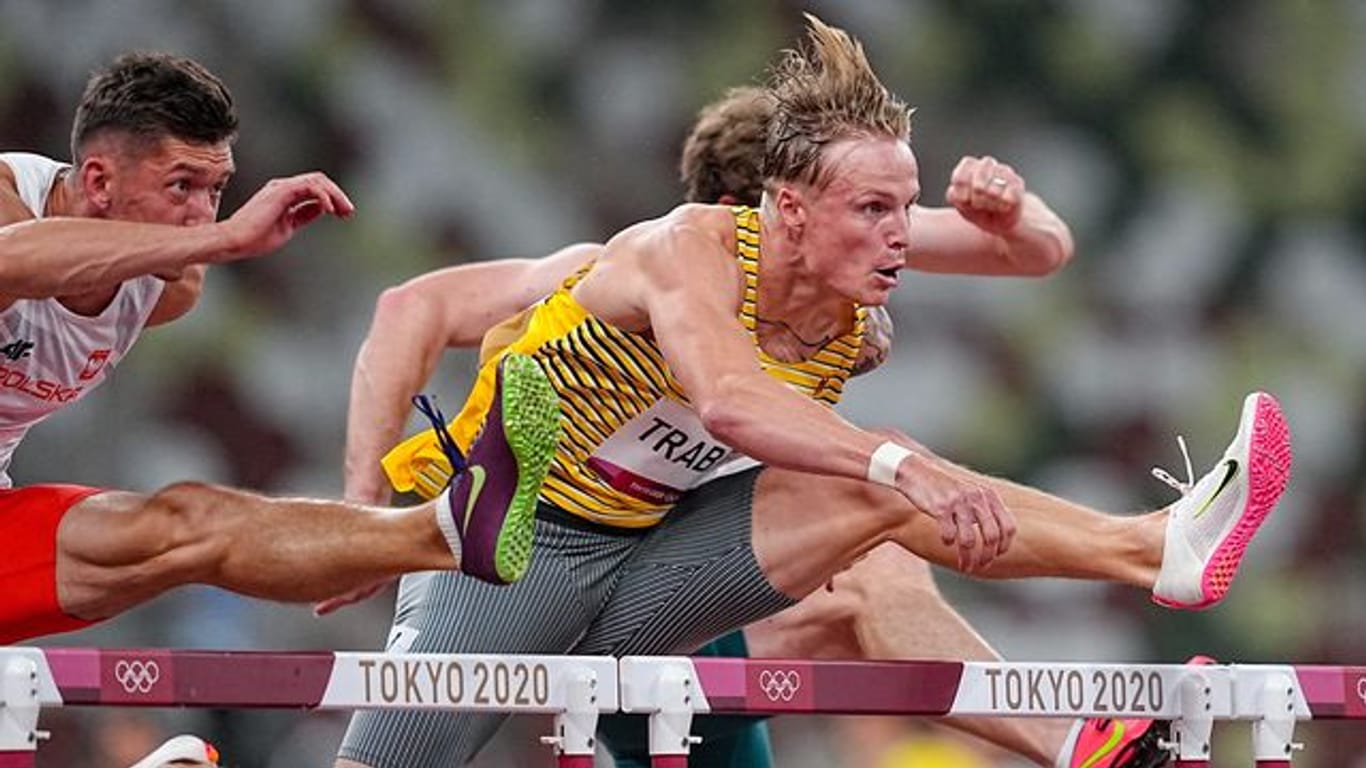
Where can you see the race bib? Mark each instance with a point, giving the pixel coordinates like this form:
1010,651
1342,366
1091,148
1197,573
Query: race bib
659,455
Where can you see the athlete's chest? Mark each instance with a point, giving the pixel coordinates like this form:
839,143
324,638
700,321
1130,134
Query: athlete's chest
50,357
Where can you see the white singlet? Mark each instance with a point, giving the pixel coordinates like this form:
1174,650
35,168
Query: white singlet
50,356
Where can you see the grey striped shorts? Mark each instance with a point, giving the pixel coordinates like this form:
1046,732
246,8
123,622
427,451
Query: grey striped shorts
590,590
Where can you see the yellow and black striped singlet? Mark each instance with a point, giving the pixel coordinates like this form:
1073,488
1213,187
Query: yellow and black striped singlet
630,442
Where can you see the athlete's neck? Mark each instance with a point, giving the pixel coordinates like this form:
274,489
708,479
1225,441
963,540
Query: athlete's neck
797,314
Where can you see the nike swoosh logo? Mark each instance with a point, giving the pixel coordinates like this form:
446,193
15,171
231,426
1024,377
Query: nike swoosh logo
1116,736
1230,472
477,477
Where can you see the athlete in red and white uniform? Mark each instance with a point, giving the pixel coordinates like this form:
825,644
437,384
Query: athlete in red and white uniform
92,253
50,357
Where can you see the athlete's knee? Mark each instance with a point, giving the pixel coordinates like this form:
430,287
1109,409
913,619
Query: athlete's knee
190,527
889,571
885,505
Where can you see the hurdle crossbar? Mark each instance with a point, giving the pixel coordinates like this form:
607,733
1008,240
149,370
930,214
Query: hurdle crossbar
673,690
573,688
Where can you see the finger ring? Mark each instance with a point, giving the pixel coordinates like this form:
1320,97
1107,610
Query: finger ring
998,181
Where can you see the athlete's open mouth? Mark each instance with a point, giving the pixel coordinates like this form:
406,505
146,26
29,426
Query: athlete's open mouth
890,272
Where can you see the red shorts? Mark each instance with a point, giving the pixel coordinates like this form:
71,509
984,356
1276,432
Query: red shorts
28,570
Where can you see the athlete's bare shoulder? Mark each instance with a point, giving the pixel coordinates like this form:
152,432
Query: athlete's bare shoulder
695,223
12,208
717,220
709,228
689,246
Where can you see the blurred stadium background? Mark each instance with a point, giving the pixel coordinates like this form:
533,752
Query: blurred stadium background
1207,155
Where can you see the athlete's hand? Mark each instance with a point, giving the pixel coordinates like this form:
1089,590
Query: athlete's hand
988,193
279,209
350,598
965,510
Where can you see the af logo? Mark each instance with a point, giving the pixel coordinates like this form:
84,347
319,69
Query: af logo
17,349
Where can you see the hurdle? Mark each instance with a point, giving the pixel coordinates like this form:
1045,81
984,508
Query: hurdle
575,689
672,691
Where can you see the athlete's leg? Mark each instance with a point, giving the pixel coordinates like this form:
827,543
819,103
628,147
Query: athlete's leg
668,600
802,529
668,597
1055,538
1187,555
117,549
574,569
886,606
808,527
29,519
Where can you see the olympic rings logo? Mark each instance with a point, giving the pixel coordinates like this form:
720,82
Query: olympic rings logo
137,676
780,684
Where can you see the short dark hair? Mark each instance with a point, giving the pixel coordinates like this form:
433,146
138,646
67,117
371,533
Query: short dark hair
151,96
725,151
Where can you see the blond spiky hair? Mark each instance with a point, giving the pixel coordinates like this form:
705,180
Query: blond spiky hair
826,91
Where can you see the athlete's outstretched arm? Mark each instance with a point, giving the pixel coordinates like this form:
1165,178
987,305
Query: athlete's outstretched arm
62,256
413,324
994,227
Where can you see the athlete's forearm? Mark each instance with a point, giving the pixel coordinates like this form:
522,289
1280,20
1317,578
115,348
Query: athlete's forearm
773,424
63,256
398,356
1040,243
946,242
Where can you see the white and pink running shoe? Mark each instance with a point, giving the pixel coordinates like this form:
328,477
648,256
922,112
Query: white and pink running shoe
1211,525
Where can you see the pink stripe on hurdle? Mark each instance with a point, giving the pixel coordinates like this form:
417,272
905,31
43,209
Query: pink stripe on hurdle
831,687
133,677
1334,692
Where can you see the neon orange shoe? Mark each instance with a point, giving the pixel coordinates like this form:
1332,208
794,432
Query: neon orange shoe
1107,743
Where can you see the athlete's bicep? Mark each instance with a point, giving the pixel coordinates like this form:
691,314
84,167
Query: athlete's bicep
12,207
545,275
13,211
179,296
944,242
456,305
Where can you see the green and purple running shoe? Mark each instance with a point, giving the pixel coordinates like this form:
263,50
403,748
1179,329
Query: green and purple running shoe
488,513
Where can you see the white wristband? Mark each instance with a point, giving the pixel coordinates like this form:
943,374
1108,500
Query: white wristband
882,466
